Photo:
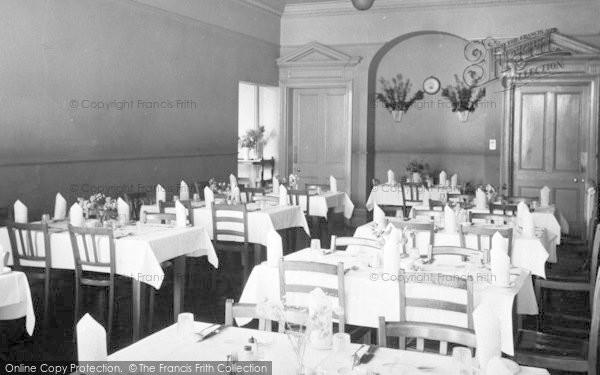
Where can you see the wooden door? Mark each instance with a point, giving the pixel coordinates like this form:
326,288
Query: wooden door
550,145
320,135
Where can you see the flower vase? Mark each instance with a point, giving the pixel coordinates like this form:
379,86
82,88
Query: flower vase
245,153
416,177
253,154
397,115
298,340
463,116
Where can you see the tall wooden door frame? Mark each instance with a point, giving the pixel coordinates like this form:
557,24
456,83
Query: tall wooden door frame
287,130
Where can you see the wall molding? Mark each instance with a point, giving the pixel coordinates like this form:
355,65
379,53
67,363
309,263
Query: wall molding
261,6
344,7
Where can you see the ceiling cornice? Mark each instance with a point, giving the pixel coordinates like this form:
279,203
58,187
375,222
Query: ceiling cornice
345,7
257,4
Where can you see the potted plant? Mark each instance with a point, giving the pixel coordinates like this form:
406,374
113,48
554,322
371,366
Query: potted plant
395,94
463,98
416,168
252,140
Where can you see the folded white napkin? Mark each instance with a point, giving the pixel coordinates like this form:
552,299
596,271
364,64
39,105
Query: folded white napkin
184,191
454,180
20,211
391,177
487,331
232,180
275,185
76,215
545,196
91,340
333,184
391,251
443,178
449,220
480,199
525,220
500,265
161,194
235,195
209,197
499,242
283,196
181,214
379,217
60,207
274,248
122,210
496,366
426,196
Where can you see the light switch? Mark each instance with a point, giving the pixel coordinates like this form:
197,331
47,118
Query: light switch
492,144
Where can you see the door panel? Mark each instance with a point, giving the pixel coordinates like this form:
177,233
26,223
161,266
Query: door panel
567,138
532,132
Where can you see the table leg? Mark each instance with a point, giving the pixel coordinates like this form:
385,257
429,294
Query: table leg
136,293
178,285
257,253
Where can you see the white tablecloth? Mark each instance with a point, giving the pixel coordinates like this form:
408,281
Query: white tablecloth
139,254
528,253
169,345
370,293
15,299
259,222
391,195
321,203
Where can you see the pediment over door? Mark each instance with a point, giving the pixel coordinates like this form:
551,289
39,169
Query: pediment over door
572,46
317,55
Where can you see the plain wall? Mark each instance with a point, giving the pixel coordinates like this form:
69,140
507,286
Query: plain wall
58,54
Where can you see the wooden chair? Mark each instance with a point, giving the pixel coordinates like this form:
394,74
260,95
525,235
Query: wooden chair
295,199
506,208
490,218
459,197
244,310
527,200
418,227
264,165
433,204
411,193
26,247
136,201
431,215
251,193
162,218
431,331
463,252
485,232
559,352
86,258
266,198
337,243
230,233
188,207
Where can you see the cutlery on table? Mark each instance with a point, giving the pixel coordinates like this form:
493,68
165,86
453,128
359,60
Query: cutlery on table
206,328
211,333
355,357
365,358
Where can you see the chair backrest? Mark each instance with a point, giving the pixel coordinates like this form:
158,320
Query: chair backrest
267,164
418,227
503,209
230,222
266,198
425,331
337,243
295,197
429,214
186,203
244,310
92,255
296,287
433,204
459,197
251,193
527,200
594,255
136,201
411,191
25,244
485,233
490,218
160,217
463,252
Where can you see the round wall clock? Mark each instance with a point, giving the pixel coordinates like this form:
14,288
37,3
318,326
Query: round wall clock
431,85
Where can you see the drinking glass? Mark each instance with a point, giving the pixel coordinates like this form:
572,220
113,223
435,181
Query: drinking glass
463,358
315,244
185,325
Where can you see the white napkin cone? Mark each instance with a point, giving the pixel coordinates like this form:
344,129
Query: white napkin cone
545,196
232,181
480,199
487,331
283,196
500,265
76,215
379,217
449,220
122,209
20,211
161,194
60,207
91,340
209,197
525,220
235,195
274,248
443,178
454,180
333,184
499,242
391,251
181,214
391,177
184,191
426,196
275,185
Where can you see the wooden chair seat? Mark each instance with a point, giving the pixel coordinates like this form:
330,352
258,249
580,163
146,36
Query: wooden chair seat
544,350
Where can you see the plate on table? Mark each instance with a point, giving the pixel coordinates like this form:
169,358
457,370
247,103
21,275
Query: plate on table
5,270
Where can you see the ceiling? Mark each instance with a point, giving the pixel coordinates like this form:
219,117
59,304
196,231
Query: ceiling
279,5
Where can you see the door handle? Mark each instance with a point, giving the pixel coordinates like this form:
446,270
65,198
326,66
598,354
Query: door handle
574,180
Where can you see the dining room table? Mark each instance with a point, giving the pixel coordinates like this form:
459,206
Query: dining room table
176,346
140,249
15,298
370,292
387,194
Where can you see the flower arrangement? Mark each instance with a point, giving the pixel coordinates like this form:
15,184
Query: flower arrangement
395,94
218,187
252,138
416,166
462,97
99,205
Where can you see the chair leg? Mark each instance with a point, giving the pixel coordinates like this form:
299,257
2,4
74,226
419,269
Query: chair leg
76,311
151,309
111,307
244,265
46,299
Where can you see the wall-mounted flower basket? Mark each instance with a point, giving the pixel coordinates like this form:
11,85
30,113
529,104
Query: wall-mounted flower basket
463,98
394,96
